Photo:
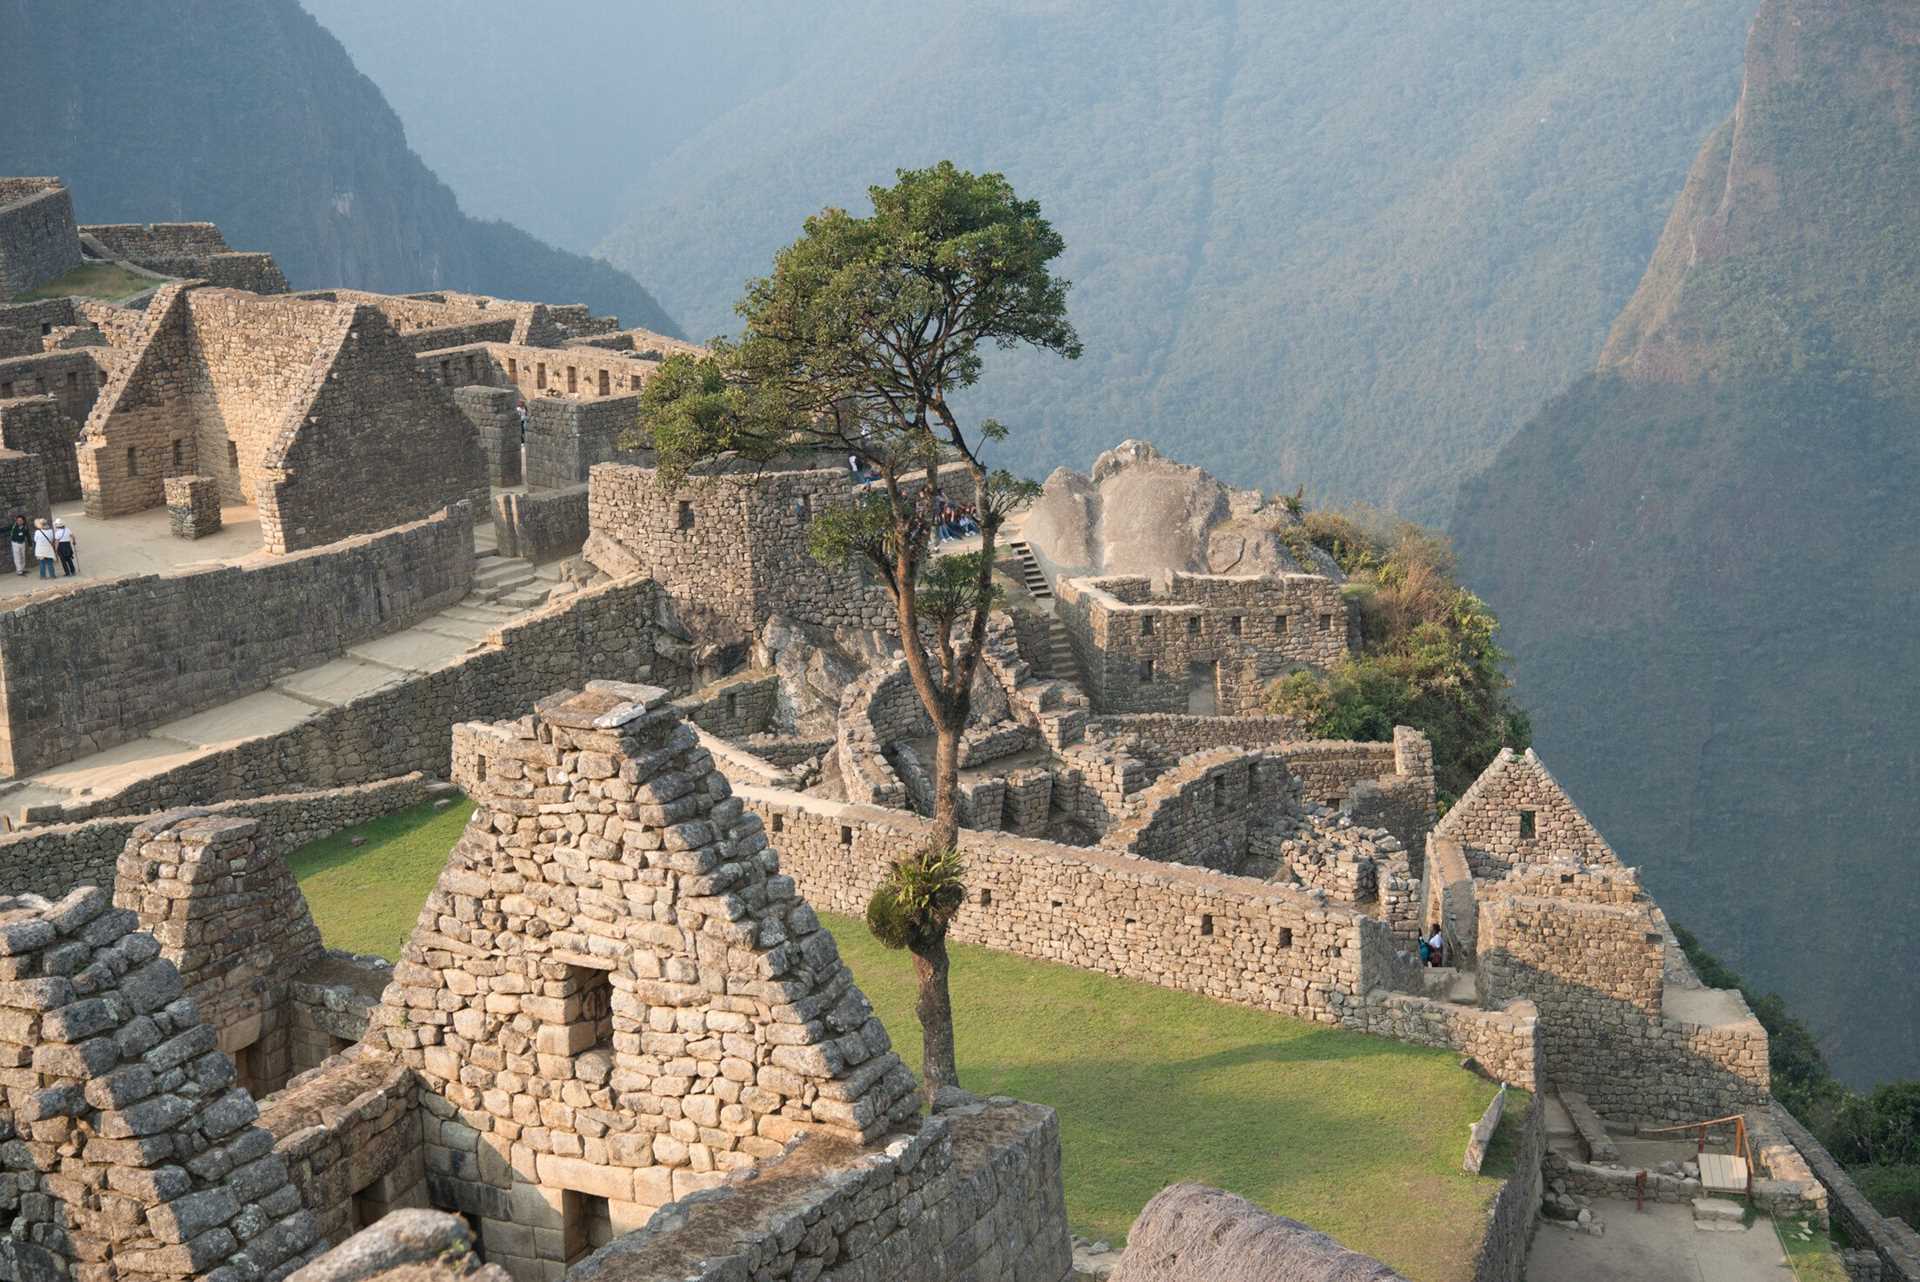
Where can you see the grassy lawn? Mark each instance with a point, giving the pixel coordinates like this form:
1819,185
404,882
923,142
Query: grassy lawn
366,900
1812,1259
1358,1136
108,281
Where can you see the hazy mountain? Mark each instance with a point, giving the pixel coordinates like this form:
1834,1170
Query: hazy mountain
1705,553
248,114
1348,245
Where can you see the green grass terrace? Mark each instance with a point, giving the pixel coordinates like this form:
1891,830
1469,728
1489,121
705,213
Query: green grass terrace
1359,1136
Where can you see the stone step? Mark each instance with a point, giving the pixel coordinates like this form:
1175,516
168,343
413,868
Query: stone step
1717,1214
523,598
506,571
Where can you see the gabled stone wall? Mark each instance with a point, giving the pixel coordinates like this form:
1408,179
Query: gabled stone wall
1516,814
134,1154
39,426
227,914
74,378
612,992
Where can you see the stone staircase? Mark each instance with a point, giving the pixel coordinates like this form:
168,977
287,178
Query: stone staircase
1034,581
507,582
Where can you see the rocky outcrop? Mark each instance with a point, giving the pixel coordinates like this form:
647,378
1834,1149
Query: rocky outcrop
1140,512
1192,1233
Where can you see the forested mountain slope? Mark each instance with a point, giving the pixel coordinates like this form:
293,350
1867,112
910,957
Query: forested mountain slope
248,114
1351,245
1347,245
1705,554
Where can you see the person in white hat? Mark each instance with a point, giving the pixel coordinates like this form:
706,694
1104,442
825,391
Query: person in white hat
44,547
63,544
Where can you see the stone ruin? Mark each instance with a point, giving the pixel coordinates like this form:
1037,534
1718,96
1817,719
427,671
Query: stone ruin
613,1001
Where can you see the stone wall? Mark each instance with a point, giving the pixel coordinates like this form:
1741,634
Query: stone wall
606,631
733,707
229,917
37,425
136,652
311,410
73,377
1504,1042
1207,643
23,488
135,242
38,240
1596,972
731,551
1515,814
611,952
349,1135
1203,811
974,1196
1167,736
1502,1255
331,1004
53,859
543,525
490,410
567,437
575,371
137,1155
1891,1240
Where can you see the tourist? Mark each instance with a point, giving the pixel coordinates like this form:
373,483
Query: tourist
19,533
45,549
520,412
1436,947
64,545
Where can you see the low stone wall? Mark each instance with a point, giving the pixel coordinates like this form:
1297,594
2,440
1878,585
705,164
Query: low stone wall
136,652
38,239
1202,812
1234,939
1895,1243
349,1134
53,859
1177,735
331,1004
733,707
1502,1256
975,1196
543,525
1584,1179
603,632
23,488
490,410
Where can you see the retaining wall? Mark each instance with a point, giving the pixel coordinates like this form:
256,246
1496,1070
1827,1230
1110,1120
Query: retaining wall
52,859
1502,1256
38,240
89,667
544,525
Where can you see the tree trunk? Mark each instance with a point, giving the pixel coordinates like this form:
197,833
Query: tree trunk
946,786
935,1009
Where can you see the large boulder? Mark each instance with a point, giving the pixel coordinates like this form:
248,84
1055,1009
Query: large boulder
1140,512
1192,1233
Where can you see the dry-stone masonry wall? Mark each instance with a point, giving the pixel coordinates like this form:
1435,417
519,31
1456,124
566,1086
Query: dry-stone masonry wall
187,250
227,914
975,1196
38,425
731,551
23,487
1207,643
74,378
52,859
1515,814
132,1153
544,525
1511,1219
1204,811
566,438
193,506
84,669
613,993
314,411
349,1134
605,631
38,239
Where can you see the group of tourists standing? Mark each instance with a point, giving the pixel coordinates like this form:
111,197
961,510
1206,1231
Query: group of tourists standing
47,543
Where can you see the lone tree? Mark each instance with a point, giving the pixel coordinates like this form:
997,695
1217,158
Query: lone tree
856,344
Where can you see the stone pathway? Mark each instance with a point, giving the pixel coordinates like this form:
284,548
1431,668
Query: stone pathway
137,544
504,588
1662,1243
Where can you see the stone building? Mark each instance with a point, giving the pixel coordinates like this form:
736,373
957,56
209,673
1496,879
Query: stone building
311,411
1201,643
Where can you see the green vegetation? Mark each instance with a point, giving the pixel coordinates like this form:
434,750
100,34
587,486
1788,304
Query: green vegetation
1809,1251
108,281
366,899
1151,1085
1427,658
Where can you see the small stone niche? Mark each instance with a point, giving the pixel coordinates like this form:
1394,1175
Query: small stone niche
193,506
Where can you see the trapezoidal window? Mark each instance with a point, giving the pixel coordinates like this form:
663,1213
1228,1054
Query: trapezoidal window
1146,625
1280,625
513,369
1285,938
540,376
1146,671
233,456
1326,623
1233,625
684,520
586,1014
1526,825
1193,625
446,371
1219,792
633,382
179,455
573,378
73,378
606,383
133,461
470,370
